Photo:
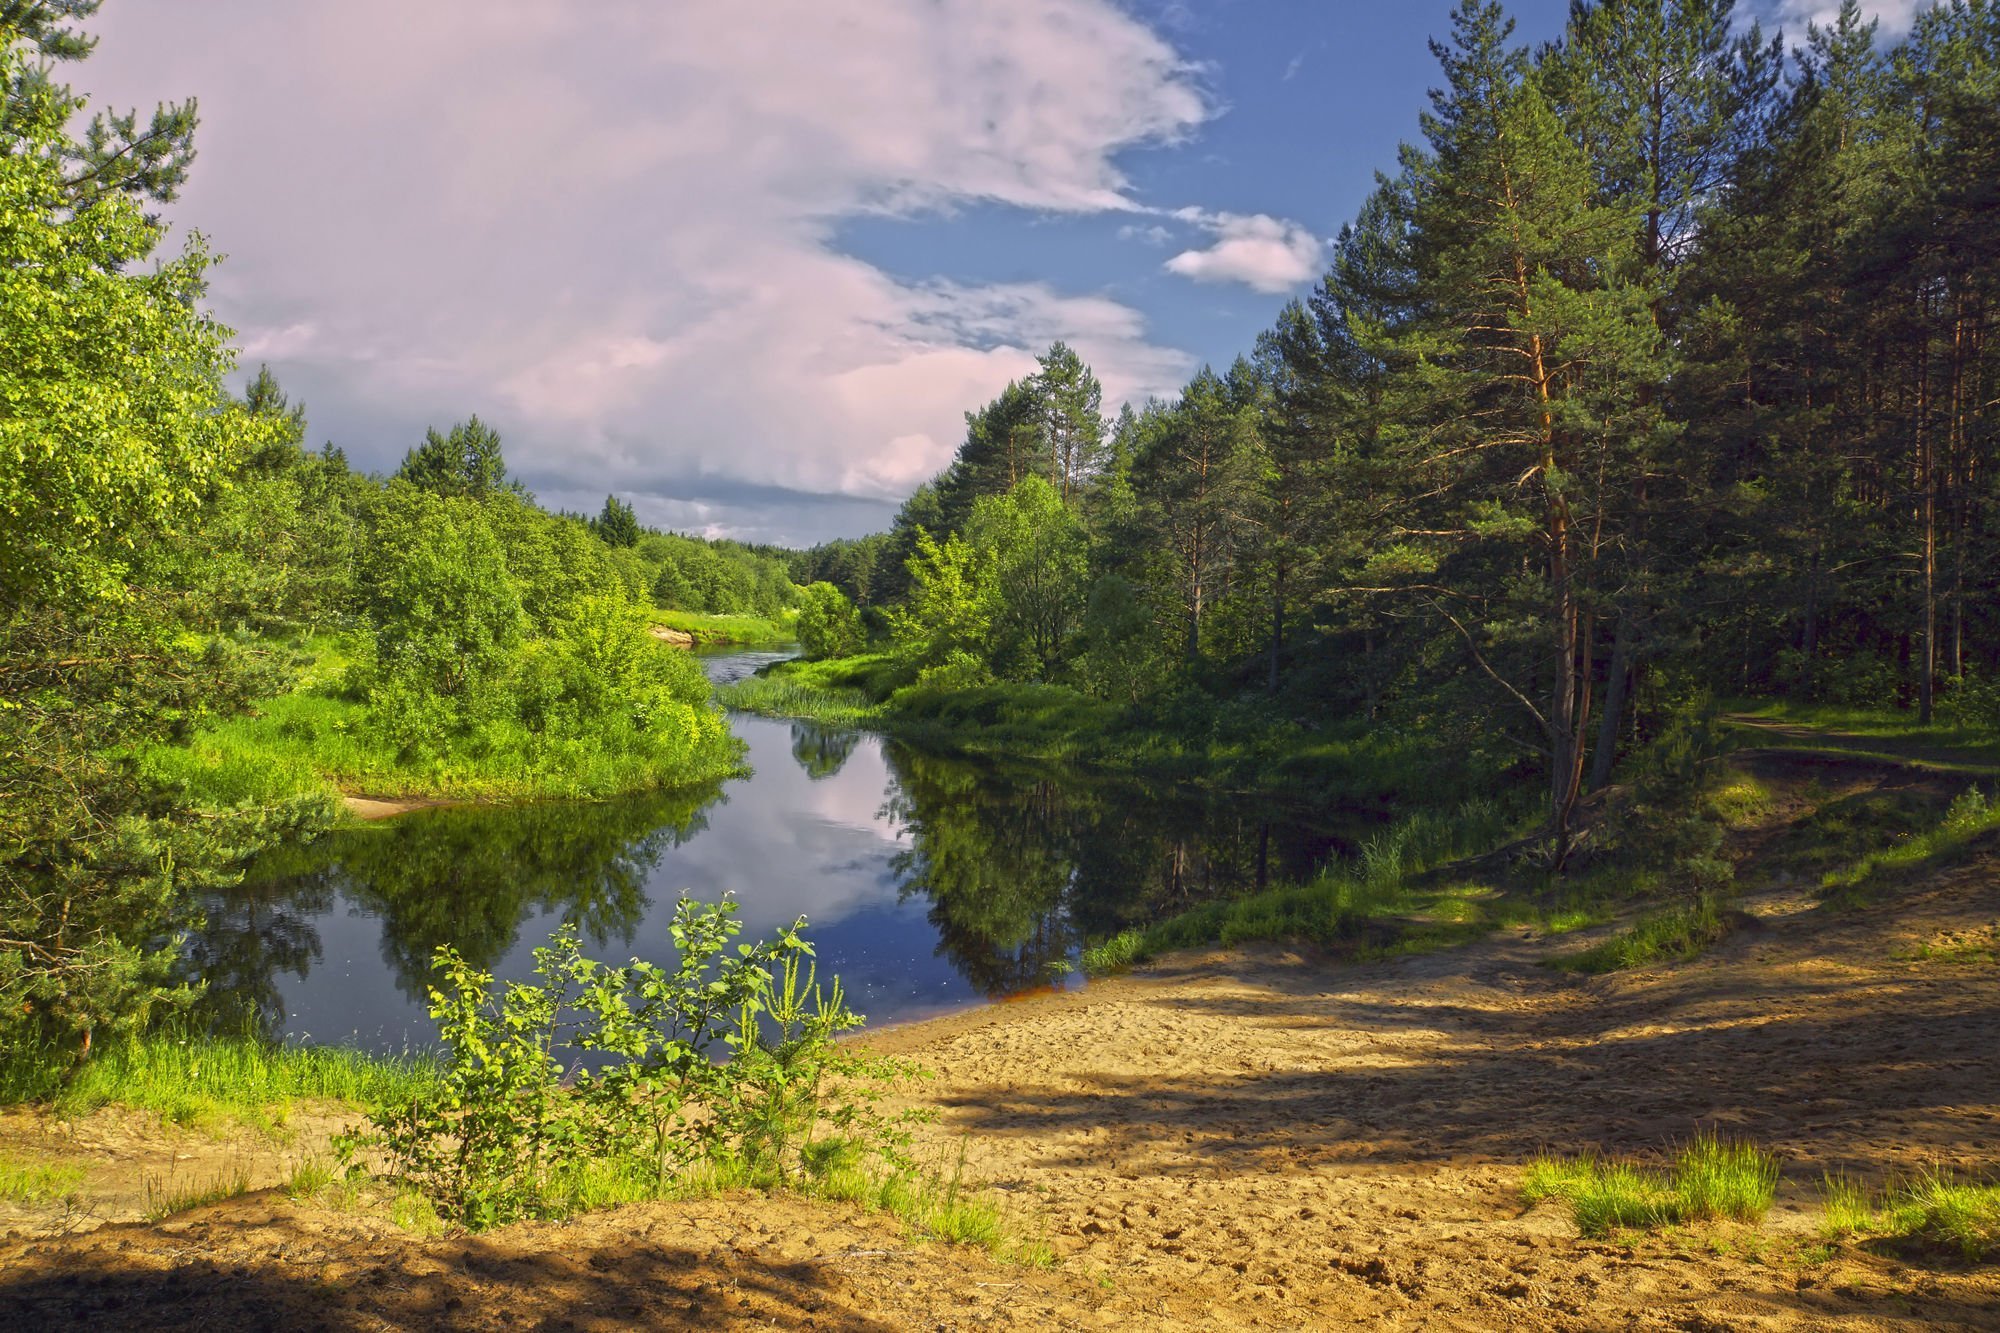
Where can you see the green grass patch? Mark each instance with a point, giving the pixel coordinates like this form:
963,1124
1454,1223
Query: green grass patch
1712,1178
1742,801
1380,902
1936,1213
170,1195
1885,735
1670,935
210,1080
26,1181
1969,817
716,631
783,697
312,743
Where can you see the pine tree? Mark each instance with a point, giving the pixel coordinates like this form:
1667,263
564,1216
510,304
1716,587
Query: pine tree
465,462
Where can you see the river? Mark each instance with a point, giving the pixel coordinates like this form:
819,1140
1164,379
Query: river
929,883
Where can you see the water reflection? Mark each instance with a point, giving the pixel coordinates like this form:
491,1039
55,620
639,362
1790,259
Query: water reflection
929,882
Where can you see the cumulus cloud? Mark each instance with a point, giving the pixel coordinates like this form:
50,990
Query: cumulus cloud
614,235
1266,253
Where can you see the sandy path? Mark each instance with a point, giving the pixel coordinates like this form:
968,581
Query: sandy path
1256,1139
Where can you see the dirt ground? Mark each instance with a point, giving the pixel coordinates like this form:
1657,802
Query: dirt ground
1252,1139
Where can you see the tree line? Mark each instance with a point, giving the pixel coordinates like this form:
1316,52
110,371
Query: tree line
1659,364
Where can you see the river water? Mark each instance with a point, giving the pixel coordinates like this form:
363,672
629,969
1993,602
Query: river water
928,883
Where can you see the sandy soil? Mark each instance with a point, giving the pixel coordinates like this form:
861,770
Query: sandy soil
1259,1139
388,807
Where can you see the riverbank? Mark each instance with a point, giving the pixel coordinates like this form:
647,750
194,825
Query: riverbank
1231,748
1255,1138
318,739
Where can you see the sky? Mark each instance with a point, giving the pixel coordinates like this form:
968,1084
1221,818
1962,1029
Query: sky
747,263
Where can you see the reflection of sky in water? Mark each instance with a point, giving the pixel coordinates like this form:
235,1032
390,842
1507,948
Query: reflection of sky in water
784,843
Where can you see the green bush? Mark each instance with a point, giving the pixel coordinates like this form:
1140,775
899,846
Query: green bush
506,1135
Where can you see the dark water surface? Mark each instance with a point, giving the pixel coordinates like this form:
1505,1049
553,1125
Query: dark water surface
929,883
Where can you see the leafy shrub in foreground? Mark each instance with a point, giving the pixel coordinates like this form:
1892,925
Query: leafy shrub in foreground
506,1135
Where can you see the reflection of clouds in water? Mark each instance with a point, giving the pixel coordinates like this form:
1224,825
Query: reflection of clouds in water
818,848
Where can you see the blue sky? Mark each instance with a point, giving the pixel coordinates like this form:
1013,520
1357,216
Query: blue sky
748,265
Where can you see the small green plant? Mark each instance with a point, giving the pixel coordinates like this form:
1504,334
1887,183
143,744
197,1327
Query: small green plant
1846,1206
1934,1212
1711,1178
167,1196
32,1182
514,1131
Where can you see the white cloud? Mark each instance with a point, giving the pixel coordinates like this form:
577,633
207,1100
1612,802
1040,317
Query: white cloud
1266,253
1895,16
613,236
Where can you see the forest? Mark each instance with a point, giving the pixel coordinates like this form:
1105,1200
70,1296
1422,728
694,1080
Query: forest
1658,369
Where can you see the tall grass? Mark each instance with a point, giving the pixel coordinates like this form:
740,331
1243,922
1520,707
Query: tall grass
1672,934
1711,1178
190,1079
779,696
1934,1211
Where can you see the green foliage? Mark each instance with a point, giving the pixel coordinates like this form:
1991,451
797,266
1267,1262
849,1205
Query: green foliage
116,422
827,625
617,524
446,618
1669,935
467,462
504,1137
1712,1178
1934,1212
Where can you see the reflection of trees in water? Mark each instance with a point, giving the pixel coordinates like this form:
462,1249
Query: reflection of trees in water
250,936
1019,865
822,751
464,876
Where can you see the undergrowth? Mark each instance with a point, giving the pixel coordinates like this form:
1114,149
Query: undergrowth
192,1079
1341,903
1971,815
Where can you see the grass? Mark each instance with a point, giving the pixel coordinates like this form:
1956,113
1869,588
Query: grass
195,1080
1887,735
1935,1212
1669,935
746,631
320,744
775,696
166,1197
32,1182
1969,817
1712,1178
1376,892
